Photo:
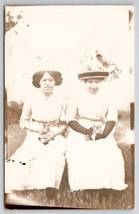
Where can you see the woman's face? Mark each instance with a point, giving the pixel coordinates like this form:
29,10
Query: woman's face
47,83
93,85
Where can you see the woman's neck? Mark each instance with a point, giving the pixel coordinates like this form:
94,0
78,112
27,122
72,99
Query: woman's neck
47,94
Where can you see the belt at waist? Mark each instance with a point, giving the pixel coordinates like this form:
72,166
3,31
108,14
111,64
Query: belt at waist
50,123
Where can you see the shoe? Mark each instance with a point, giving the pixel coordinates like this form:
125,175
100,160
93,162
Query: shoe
51,192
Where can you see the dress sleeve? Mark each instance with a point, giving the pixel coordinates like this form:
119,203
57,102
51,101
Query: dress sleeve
112,113
26,114
72,110
63,110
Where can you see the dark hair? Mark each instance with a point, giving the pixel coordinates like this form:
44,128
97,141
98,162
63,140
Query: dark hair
39,74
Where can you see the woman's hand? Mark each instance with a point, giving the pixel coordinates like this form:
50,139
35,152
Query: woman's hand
107,130
51,134
54,131
88,136
45,138
98,136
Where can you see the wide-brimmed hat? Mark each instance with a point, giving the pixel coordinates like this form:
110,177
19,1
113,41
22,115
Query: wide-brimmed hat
93,75
96,65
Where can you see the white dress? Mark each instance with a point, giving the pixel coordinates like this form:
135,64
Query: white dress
35,165
93,164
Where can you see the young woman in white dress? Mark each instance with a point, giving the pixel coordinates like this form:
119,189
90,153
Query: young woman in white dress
94,159
40,161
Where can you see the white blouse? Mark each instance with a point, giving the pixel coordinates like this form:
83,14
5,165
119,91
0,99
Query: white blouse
43,109
98,107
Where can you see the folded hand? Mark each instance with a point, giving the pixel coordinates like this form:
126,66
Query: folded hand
45,138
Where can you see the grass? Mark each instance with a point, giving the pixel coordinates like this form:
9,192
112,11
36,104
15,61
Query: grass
90,199
16,137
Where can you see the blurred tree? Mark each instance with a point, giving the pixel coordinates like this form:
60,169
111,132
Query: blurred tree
11,21
13,112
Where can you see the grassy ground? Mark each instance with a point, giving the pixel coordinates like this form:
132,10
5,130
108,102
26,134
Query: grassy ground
93,199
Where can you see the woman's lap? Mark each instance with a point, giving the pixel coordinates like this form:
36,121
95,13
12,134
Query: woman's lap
33,161
94,164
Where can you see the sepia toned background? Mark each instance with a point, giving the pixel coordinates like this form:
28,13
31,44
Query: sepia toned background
54,37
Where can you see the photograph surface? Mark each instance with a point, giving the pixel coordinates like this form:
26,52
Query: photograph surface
69,106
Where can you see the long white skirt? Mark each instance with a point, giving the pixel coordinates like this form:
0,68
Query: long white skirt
35,165
94,164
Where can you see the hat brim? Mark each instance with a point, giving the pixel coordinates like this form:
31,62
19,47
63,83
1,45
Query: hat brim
93,75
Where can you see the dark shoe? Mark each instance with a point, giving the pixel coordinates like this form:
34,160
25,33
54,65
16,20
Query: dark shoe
51,192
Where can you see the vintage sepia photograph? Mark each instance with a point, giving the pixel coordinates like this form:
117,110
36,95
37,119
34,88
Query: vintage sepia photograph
69,106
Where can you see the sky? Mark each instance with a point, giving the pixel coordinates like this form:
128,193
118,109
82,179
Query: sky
57,38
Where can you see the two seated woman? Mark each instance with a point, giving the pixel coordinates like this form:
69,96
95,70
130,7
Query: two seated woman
93,157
